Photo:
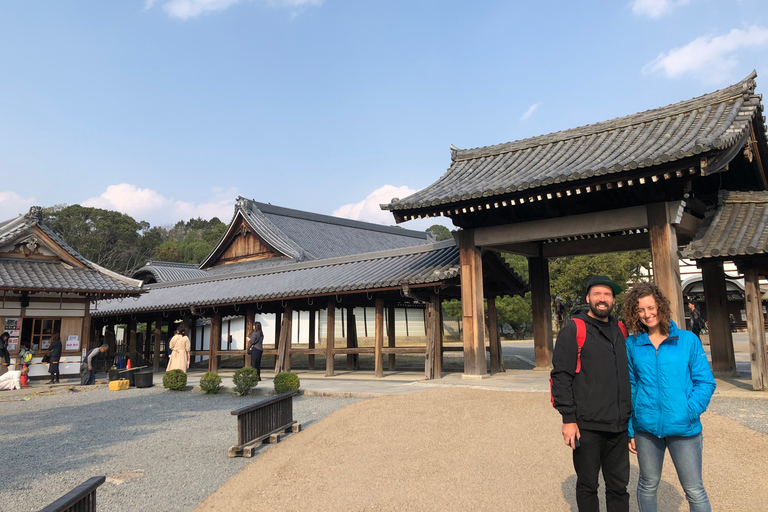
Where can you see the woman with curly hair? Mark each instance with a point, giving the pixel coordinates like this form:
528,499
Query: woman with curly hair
671,387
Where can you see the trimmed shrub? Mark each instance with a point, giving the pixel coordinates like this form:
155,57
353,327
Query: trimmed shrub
244,379
210,383
286,381
175,380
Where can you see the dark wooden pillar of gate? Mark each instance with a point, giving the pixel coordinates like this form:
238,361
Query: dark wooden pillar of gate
250,320
753,303
330,339
720,337
312,336
353,360
494,339
215,343
378,365
192,333
666,264
278,327
391,343
132,341
283,360
156,343
541,306
432,366
85,330
472,305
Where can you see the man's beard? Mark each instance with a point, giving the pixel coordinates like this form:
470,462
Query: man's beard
600,313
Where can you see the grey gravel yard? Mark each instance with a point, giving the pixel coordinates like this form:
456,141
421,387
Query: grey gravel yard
160,450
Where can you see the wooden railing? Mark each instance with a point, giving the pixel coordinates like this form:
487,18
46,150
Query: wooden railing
265,421
80,499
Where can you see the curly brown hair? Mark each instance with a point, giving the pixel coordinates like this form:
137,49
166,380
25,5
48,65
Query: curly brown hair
632,317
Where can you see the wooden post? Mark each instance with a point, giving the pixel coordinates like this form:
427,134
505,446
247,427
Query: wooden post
85,331
215,343
440,332
157,340
312,336
755,328
330,339
132,342
278,326
283,362
391,336
472,305
193,337
353,360
250,319
431,364
720,337
109,337
541,306
666,264
379,340
494,340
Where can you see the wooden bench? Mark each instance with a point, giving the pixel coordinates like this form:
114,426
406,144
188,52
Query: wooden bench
264,422
80,499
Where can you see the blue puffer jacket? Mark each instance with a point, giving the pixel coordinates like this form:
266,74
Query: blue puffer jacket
671,386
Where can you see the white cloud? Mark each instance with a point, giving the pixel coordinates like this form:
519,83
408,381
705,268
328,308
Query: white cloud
12,205
185,9
368,209
146,204
713,57
530,111
655,8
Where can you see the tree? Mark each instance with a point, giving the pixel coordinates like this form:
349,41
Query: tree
441,232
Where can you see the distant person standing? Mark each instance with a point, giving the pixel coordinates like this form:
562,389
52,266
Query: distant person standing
697,323
180,348
732,320
54,355
256,347
6,357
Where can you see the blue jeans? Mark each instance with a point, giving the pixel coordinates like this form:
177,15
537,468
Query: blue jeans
686,455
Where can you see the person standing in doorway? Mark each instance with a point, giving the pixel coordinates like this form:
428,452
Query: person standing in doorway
672,384
590,389
697,323
256,347
180,347
55,355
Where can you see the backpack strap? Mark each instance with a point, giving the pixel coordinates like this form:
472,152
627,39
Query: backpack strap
623,329
581,337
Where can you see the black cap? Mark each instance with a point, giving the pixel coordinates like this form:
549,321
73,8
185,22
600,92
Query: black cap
606,281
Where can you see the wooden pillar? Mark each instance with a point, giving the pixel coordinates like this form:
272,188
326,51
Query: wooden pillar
193,337
494,340
132,342
666,264
312,336
283,360
156,350
85,331
353,360
330,339
109,337
472,304
432,367
379,340
440,332
720,337
541,306
391,336
250,319
214,343
756,329
278,326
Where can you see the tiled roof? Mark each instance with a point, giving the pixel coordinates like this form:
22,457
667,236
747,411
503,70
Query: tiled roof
425,264
736,228
164,271
301,236
709,123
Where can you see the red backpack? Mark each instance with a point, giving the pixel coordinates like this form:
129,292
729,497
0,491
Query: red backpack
581,337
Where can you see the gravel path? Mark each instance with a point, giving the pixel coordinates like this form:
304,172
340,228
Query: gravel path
160,450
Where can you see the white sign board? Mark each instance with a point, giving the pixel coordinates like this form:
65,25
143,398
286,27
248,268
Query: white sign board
73,342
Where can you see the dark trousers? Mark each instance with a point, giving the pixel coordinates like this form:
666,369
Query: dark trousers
608,451
53,369
256,360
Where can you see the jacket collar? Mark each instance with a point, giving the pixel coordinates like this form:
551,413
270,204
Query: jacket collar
643,339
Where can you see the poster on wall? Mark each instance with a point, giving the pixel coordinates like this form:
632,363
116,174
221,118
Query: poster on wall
12,326
45,343
73,342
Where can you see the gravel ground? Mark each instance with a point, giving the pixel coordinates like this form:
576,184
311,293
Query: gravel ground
160,450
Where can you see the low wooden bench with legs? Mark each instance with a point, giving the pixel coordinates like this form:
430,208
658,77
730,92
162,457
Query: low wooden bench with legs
264,422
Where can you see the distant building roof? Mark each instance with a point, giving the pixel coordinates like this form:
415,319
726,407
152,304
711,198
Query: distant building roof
710,123
163,271
737,227
36,258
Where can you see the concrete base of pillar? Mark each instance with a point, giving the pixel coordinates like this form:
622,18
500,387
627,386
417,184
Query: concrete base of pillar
466,376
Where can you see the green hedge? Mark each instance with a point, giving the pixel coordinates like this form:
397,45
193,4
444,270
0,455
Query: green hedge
175,380
244,379
286,381
210,383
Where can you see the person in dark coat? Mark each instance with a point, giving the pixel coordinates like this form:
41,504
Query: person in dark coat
256,347
4,350
54,354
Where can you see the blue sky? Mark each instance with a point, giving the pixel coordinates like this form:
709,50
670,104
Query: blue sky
170,109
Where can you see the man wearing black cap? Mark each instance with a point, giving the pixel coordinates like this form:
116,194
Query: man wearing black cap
590,389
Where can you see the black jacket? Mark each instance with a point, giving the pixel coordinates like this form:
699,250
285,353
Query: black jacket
598,397
55,351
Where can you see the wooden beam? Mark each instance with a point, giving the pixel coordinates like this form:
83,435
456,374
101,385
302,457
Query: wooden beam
720,338
541,306
132,341
440,337
312,336
494,340
666,265
378,365
214,343
353,361
562,227
250,319
157,339
330,339
596,245
278,327
432,328
391,336
756,329
472,304
283,361
85,330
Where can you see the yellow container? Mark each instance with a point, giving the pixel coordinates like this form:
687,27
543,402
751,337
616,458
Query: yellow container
119,384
